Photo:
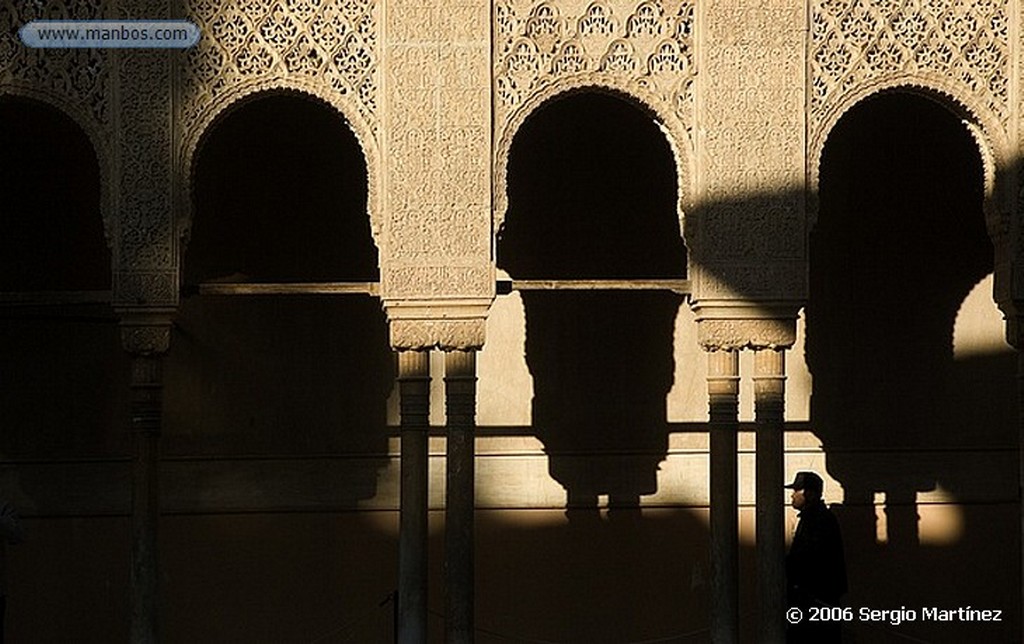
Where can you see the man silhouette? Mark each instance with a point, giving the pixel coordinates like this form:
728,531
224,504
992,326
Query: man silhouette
815,565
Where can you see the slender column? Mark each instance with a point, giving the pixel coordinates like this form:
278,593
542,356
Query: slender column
723,394
147,340
414,395
769,404
460,402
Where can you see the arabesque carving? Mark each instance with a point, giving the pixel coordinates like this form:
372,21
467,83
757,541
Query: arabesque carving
332,44
81,76
146,247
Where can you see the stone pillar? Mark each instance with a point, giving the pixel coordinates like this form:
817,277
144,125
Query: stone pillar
146,339
460,405
769,404
414,395
723,394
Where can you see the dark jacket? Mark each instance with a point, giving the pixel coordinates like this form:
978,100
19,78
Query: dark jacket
816,565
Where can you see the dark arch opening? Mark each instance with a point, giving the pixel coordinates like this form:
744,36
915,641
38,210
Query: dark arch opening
900,242
592,194
51,227
280,195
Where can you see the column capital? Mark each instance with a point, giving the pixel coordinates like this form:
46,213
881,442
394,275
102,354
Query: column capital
449,326
146,332
733,326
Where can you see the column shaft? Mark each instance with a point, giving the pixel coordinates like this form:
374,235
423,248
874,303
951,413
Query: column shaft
414,402
723,394
769,404
146,406
460,402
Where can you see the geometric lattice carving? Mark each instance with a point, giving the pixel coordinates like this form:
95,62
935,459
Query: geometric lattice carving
649,44
333,43
855,42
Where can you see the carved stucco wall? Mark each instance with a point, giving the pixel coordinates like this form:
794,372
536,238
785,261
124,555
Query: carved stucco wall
642,50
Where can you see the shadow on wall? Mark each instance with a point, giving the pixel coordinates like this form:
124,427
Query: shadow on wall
280,196
592,194
899,244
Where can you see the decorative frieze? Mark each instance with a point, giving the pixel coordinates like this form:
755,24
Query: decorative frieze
736,334
449,335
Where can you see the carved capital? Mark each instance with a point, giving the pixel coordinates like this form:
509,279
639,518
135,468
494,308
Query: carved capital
449,326
736,326
146,334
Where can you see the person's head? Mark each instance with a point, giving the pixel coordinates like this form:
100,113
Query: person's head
807,489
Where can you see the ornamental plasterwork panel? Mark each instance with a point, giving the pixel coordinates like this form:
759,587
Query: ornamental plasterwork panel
436,134
644,50
76,81
959,49
748,232
327,49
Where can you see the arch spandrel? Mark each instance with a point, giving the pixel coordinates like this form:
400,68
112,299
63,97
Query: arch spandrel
97,135
195,139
